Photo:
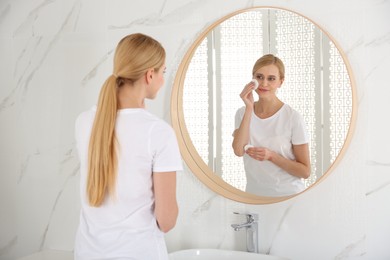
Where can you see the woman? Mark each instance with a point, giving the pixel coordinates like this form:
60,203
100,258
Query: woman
271,135
128,161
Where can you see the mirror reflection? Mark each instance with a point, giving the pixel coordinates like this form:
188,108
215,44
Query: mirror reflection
316,84
270,135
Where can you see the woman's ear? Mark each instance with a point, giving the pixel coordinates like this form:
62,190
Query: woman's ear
149,76
281,82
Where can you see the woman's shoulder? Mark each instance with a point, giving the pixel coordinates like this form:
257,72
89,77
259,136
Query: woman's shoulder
158,124
86,115
241,110
289,109
292,113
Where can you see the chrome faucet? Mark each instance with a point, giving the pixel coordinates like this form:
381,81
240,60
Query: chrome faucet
252,236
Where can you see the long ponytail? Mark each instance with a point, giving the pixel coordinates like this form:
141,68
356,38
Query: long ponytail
102,157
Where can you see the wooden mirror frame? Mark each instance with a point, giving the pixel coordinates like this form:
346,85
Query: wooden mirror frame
190,154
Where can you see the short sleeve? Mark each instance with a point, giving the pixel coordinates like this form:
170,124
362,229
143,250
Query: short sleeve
164,148
299,130
238,119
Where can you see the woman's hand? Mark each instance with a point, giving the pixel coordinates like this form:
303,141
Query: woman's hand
260,153
247,95
300,167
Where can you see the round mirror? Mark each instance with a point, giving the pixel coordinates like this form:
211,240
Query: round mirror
318,84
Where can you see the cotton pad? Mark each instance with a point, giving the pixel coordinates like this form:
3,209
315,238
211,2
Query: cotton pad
256,83
247,146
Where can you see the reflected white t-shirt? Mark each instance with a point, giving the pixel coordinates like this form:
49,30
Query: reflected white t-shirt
277,133
124,227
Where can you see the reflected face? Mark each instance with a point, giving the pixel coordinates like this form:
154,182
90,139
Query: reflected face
269,80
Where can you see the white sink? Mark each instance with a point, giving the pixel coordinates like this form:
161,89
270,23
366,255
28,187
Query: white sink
219,254
50,255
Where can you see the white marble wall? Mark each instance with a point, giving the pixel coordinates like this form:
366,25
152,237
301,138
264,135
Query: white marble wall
55,54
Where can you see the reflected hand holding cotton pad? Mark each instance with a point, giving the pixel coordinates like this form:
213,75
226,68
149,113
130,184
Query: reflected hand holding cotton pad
256,84
247,146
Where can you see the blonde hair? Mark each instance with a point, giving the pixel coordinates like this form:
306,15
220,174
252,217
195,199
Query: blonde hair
134,55
269,59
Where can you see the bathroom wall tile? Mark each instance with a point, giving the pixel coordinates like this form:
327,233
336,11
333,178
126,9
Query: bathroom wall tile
378,228
377,42
63,222
6,67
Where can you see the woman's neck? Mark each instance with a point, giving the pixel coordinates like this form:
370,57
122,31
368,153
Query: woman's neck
131,97
265,108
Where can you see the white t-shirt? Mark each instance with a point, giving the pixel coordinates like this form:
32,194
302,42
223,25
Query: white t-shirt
125,227
277,133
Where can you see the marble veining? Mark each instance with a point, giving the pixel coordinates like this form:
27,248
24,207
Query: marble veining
31,18
279,225
358,43
8,246
33,66
23,168
92,73
223,237
77,5
176,16
352,250
377,163
379,188
4,12
75,171
25,165
32,43
375,43
384,39
68,155
204,206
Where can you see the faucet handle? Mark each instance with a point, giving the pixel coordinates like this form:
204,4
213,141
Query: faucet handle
250,216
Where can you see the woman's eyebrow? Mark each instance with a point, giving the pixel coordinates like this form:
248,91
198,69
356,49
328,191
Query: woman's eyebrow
259,74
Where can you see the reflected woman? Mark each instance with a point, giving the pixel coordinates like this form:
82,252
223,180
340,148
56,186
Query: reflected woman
270,135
